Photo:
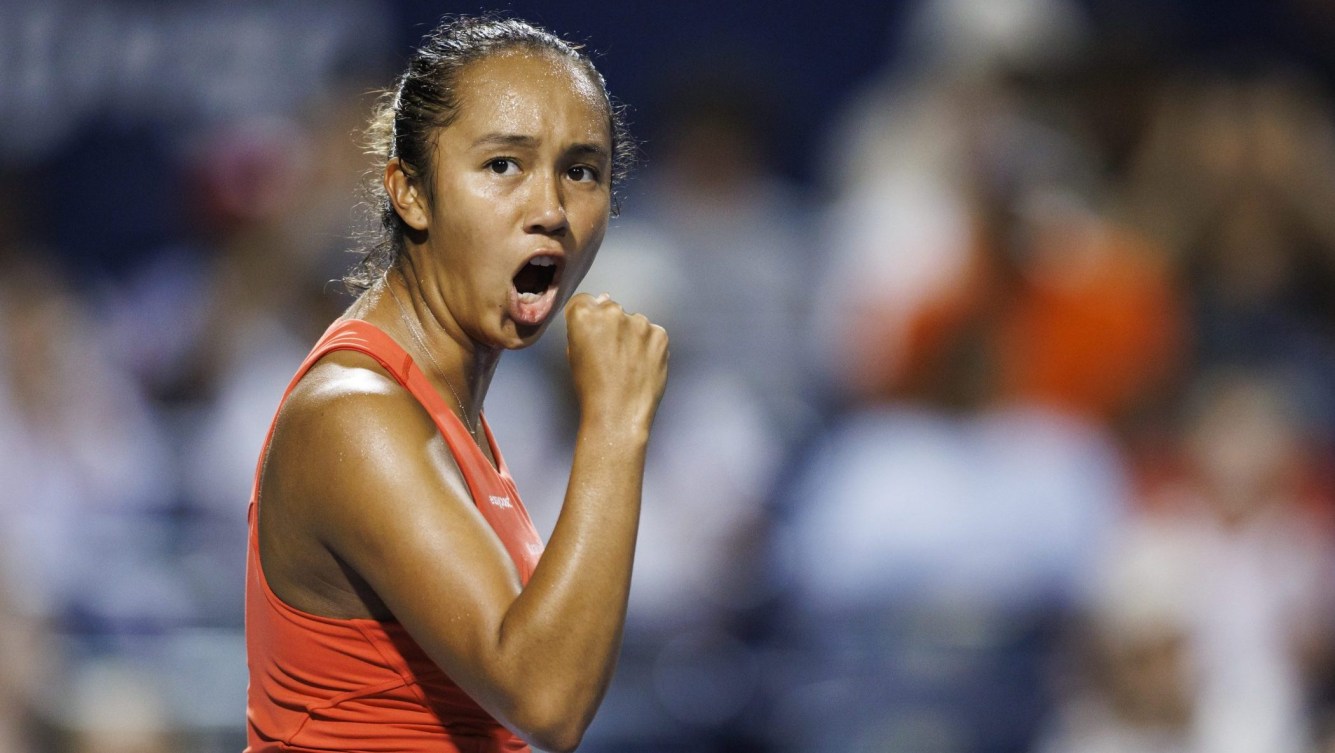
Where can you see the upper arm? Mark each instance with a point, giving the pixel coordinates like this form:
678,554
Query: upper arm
382,493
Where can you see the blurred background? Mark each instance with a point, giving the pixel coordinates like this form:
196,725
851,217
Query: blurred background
1003,381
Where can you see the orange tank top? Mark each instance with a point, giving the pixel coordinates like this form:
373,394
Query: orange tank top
325,684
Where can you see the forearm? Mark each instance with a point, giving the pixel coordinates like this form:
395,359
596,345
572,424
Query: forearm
558,639
563,632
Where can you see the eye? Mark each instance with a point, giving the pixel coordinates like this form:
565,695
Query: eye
502,166
582,173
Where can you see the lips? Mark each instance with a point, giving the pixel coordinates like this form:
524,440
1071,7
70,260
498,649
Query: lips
533,289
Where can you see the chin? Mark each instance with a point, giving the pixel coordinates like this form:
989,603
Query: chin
521,336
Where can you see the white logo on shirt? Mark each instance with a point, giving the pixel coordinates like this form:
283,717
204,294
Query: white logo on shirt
501,502
534,547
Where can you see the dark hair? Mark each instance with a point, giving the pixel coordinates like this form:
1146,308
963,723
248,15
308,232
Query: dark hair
425,99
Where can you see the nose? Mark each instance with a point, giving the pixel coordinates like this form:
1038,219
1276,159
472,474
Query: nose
547,210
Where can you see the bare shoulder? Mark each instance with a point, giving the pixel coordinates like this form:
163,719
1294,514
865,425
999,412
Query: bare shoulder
347,390
346,423
344,430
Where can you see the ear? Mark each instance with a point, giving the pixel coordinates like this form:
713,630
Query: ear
403,193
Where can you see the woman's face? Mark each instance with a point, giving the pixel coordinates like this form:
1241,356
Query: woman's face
520,198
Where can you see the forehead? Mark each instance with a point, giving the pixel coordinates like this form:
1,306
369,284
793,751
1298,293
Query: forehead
530,93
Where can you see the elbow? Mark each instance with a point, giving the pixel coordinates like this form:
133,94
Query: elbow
554,726
558,740
558,736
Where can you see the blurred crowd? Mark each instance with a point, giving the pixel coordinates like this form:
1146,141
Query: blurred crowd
1010,431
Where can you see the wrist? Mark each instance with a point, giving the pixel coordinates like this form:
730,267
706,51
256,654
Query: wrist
615,428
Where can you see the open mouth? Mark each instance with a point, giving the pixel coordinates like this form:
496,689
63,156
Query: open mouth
535,278
534,293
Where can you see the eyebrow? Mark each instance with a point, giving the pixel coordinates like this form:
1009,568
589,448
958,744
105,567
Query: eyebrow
529,142
596,150
506,139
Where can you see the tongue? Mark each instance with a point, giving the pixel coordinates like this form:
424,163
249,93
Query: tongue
531,309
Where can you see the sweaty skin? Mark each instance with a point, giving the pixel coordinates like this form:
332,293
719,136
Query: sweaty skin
364,512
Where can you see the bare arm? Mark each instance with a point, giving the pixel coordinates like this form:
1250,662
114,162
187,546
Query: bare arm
388,500
619,365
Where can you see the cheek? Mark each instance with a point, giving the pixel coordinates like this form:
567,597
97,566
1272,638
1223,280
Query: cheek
593,240
593,217
594,230
469,220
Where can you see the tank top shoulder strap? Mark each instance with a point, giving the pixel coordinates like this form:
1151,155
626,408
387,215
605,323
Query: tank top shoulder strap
364,337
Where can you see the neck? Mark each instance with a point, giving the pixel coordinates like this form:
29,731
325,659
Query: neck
414,312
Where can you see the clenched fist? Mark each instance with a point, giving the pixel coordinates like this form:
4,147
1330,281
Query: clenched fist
618,362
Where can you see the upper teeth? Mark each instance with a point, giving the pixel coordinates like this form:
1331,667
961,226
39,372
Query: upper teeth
542,261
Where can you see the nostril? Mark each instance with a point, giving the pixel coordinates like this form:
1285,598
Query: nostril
553,222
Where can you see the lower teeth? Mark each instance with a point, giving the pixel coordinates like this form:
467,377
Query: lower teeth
529,297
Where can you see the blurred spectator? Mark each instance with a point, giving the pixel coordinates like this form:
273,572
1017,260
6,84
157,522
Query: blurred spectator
971,230
1214,612
1137,686
932,558
87,511
920,166
986,322
114,708
30,665
88,475
1094,326
1236,177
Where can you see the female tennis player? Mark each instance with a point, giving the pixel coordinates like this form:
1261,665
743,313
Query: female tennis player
398,598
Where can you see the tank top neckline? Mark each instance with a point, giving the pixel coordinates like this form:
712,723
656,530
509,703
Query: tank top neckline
407,371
